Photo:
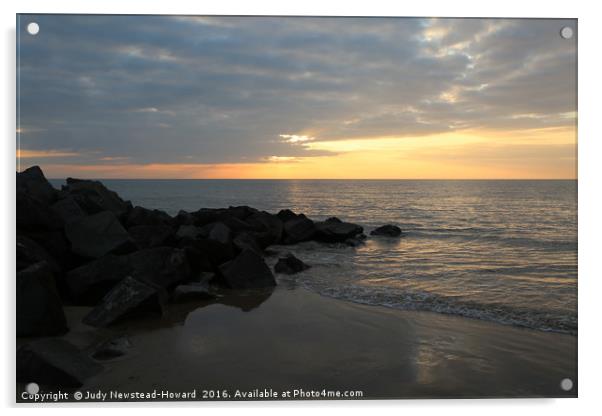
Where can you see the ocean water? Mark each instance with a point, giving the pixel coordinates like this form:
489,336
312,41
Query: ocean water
502,251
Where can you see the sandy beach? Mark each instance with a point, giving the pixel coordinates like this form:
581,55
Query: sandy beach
292,339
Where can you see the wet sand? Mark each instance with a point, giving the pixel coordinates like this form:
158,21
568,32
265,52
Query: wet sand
294,339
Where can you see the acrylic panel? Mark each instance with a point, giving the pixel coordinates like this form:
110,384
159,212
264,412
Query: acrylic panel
295,208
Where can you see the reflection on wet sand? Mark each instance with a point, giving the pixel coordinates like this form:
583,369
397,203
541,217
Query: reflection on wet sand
292,338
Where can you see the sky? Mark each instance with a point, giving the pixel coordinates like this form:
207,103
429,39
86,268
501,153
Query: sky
296,97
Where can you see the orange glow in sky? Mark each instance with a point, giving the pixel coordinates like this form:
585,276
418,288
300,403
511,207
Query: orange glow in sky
528,154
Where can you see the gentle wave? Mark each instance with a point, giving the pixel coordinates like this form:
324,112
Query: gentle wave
477,234
525,318
381,274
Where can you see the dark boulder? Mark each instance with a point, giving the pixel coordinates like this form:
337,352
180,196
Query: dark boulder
29,252
94,197
221,233
67,209
332,231
333,219
387,230
191,291
247,241
128,298
286,215
299,229
269,228
205,250
197,257
39,308
190,231
148,236
144,216
236,225
290,265
56,244
205,216
205,278
89,283
270,252
235,215
33,183
240,212
183,218
356,241
54,362
35,215
161,266
112,348
247,270
98,234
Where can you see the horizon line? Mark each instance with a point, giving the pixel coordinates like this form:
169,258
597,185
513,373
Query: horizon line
322,179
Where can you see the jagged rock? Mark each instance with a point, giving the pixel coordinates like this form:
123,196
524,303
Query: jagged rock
161,266
206,254
336,231
197,257
39,309
246,241
387,230
112,348
89,283
67,209
128,298
240,212
94,197
286,215
98,234
333,219
217,248
144,216
299,229
191,291
33,183
270,227
204,277
220,233
270,252
148,236
29,252
247,270
290,265
356,241
234,216
184,218
35,215
217,252
235,225
189,231
56,244
54,362
205,216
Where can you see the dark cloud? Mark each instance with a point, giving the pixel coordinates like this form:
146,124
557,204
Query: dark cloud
223,89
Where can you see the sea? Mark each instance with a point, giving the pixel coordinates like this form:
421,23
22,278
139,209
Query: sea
497,250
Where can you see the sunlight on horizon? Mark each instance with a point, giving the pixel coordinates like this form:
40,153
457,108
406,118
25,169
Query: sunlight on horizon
530,154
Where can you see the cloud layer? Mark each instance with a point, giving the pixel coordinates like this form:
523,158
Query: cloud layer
211,90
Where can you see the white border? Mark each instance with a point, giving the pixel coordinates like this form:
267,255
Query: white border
590,232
